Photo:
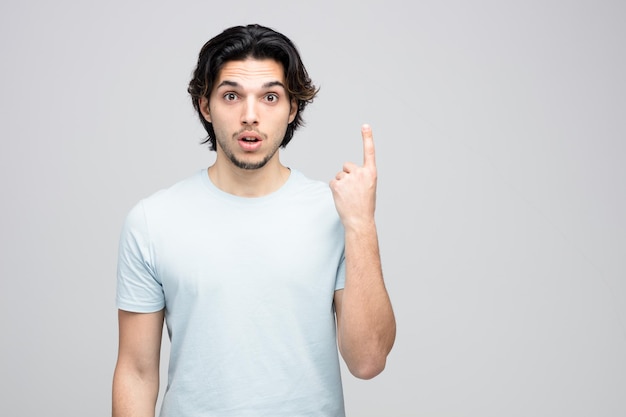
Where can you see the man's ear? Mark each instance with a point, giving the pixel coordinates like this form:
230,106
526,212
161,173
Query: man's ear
293,109
204,109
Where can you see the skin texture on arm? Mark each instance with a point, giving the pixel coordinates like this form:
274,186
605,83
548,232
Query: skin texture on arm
366,326
136,378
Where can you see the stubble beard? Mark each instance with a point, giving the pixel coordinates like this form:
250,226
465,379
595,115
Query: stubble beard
247,165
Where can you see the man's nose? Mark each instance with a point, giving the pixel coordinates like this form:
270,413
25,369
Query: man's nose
250,112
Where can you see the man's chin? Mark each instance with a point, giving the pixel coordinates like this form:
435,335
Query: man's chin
249,165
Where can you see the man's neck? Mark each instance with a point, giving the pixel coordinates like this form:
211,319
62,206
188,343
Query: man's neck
248,182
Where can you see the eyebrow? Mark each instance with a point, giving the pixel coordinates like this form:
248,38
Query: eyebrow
266,85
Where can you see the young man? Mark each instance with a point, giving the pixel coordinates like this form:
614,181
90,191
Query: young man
257,271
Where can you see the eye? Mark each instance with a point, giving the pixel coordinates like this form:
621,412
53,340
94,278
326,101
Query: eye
271,97
230,96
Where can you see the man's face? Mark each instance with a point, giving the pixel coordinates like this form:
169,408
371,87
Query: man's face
250,109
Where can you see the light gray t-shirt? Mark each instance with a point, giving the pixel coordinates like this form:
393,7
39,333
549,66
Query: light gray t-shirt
247,285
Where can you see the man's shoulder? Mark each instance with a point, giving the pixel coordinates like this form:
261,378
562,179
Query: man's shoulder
183,188
312,196
308,185
168,198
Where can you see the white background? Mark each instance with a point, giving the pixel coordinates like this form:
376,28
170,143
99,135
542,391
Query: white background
501,143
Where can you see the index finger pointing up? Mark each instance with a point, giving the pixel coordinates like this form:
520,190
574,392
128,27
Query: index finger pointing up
369,155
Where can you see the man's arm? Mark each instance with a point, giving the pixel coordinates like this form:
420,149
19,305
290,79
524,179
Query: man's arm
136,378
366,326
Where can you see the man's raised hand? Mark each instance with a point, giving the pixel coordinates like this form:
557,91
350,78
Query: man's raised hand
354,188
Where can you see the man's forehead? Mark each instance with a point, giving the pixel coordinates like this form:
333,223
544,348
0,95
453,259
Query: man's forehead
251,71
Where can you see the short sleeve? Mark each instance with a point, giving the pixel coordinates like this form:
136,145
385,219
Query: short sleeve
138,288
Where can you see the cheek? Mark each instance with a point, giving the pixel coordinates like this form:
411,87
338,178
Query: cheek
219,116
